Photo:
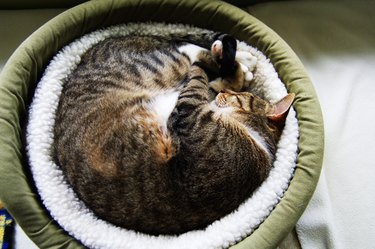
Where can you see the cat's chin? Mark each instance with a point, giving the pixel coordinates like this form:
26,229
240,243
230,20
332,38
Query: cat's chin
214,106
220,109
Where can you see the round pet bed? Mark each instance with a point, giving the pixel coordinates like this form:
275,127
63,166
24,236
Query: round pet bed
26,66
63,204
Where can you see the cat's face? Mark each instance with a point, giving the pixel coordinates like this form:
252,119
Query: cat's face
248,103
243,102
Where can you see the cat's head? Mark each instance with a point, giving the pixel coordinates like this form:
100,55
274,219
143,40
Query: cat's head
248,103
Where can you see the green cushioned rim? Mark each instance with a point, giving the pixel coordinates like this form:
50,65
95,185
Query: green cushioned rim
23,70
38,4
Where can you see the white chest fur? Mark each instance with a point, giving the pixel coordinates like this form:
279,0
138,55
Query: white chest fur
259,140
162,105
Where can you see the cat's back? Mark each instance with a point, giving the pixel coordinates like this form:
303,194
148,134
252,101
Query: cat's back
103,118
131,63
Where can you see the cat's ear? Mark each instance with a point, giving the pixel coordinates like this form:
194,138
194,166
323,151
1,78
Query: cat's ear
280,110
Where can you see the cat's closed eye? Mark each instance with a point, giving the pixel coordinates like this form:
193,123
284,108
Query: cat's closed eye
240,100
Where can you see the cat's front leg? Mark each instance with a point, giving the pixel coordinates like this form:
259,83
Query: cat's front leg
197,87
193,98
200,56
193,52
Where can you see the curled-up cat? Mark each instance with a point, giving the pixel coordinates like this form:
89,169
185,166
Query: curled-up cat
145,148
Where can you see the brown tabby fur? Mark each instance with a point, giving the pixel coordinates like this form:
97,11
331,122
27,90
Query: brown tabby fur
131,172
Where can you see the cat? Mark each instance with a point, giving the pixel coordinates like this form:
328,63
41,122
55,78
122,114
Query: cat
145,147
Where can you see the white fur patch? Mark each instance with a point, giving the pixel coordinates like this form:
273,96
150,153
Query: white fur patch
260,141
80,222
191,51
163,105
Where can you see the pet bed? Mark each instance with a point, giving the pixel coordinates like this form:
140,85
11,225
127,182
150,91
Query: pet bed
92,232
26,67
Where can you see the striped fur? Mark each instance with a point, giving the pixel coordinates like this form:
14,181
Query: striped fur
133,172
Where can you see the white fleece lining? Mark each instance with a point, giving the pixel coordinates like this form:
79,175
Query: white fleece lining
81,223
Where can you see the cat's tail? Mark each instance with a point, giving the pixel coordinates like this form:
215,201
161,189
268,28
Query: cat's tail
202,38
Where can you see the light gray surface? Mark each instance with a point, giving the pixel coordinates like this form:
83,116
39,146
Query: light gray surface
21,241
336,42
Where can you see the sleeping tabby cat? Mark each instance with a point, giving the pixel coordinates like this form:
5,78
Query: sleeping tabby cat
144,146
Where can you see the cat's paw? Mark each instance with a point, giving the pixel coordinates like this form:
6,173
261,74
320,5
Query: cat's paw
217,85
248,74
192,51
246,59
223,51
220,84
247,62
217,49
